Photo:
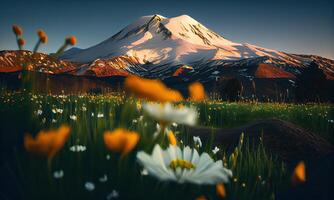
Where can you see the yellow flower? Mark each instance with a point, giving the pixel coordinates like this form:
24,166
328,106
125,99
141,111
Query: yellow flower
220,190
172,139
299,175
196,92
17,30
121,140
42,36
153,90
47,143
71,40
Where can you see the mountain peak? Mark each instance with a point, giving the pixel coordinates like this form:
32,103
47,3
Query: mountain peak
177,40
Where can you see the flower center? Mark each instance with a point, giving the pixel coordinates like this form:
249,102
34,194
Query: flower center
183,164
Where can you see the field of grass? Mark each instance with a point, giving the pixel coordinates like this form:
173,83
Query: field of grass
86,169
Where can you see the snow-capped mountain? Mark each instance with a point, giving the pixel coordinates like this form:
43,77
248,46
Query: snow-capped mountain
160,41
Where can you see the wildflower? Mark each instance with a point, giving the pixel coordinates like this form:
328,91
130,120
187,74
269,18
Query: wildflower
59,110
21,42
220,190
202,197
73,117
121,140
152,90
108,157
89,186
174,164
113,195
100,115
103,179
42,38
17,30
166,113
172,138
78,148
215,150
58,174
71,40
299,175
47,143
196,92
197,141
39,112
68,41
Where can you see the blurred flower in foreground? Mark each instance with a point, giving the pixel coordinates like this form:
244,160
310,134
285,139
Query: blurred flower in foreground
167,114
201,198
42,38
172,139
152,90
121,140
220,190
21,42
71,40
17,30
47,143
174,164
196,92
18,35
299,174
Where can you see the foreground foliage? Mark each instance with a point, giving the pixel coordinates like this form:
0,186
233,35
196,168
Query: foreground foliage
85,168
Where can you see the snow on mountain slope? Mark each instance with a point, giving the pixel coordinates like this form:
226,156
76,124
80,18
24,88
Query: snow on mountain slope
179,40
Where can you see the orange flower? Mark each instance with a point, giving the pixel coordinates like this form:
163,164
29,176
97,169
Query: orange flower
121,140
172,138
153,90
71,40
220,190
202,197
196,92
17,30
42,36
299,175
30,67
47,143
21,42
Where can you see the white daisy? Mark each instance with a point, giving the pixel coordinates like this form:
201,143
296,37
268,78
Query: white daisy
169,114
174,164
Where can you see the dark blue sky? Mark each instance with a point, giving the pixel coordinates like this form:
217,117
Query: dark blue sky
294,26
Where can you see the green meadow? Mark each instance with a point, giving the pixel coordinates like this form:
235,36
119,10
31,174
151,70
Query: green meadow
86,169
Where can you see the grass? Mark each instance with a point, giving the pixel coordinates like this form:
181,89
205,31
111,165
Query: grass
257,174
